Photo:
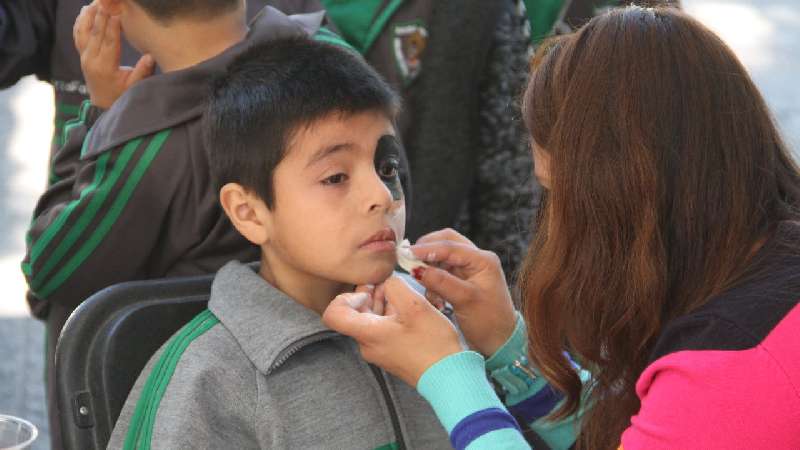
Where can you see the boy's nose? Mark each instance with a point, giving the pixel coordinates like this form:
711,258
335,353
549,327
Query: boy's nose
380,197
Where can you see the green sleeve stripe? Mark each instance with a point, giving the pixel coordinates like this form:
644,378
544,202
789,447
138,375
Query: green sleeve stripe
329,37
49,233
140,429
65,114
380,23
52,179
392,446
209,321
68,126
361,22
111,216
100,190
85,145
57,133
134,427
68,109
72,123
542,17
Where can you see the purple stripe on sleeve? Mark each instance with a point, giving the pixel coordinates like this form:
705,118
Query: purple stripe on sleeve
536,406
479,423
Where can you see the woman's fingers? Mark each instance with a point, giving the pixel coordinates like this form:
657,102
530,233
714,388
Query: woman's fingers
379,300
465,260
445,285
404,300
434,299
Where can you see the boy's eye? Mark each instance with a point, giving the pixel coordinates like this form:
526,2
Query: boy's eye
388,168
335,179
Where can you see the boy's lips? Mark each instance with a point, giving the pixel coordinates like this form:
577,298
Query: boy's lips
384,240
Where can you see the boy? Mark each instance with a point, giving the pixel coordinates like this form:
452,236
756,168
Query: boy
134,199
309,173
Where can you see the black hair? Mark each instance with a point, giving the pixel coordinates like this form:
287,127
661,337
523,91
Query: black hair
165,10
273,89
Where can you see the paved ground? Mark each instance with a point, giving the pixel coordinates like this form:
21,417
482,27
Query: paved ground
764,33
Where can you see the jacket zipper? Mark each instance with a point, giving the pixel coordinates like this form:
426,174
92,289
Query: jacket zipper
321,336
296,346
401,445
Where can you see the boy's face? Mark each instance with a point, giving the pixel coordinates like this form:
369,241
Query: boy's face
339,207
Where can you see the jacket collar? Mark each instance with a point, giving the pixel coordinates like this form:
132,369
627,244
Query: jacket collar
268,325
166,100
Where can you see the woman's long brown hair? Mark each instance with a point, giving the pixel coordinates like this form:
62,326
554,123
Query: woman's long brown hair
666,172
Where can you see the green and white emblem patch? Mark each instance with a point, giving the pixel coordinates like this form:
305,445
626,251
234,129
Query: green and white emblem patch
410,41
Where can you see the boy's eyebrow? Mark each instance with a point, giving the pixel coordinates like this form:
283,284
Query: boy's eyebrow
324,152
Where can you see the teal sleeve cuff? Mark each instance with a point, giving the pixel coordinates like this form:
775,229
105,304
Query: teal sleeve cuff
515,347
456,387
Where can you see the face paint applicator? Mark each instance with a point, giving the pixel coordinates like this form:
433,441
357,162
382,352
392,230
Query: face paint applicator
407,260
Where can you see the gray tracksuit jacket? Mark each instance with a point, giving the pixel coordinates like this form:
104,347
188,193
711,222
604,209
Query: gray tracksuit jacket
259,371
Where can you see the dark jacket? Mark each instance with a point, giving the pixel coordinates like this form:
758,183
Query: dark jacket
134,198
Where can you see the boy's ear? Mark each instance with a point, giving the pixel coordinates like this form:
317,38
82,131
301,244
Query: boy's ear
248,213
111,7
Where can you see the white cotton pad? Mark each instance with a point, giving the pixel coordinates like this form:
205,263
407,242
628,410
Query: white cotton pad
406,259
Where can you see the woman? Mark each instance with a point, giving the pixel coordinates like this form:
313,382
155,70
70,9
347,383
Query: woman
667,262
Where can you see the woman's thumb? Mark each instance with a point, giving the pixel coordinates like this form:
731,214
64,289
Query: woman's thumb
342,314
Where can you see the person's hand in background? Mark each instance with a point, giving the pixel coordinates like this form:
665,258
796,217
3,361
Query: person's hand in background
98,39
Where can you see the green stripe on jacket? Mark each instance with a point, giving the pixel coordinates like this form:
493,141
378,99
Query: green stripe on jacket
98,196
140,430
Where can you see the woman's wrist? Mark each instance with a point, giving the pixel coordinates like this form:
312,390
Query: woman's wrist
516,345
509,367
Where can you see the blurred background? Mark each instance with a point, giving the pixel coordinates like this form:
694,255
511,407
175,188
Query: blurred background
765,34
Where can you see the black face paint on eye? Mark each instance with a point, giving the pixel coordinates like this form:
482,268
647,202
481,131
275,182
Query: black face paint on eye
387,164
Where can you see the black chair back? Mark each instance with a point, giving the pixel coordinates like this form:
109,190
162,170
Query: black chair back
106,343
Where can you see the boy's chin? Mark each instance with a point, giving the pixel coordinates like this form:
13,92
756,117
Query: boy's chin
377,273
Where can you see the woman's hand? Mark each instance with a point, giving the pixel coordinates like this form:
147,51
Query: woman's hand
472,280
408,338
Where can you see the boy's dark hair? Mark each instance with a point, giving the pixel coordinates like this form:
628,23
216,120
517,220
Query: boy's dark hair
273,89
165,10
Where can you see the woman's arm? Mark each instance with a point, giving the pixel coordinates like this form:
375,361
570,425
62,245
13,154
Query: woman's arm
454,382
457,389
467,406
